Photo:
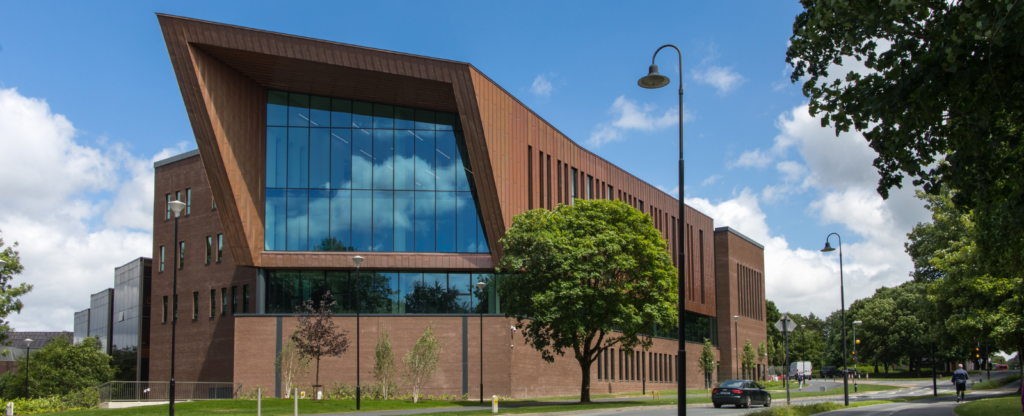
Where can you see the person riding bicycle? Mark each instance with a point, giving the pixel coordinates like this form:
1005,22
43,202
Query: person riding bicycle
960,380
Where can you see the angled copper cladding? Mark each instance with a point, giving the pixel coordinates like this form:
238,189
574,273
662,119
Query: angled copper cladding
224,71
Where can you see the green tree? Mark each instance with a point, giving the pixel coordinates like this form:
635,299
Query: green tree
747,358
421,362
61,368
587,277
291,364
762,350
707,363
775,338
9,294
384,365
317,336
943,82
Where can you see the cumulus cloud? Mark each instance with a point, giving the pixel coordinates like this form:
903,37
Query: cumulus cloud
77,211
628,115
711,180
541,86
840,180
724,79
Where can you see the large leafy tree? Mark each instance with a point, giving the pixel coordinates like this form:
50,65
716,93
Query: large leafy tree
10,294
894,330
943,81
586,277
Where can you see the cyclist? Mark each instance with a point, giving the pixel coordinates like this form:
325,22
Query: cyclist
960,380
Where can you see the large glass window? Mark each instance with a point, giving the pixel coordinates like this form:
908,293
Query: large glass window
353,176
383,292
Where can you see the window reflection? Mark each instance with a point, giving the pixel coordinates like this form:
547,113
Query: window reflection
353,176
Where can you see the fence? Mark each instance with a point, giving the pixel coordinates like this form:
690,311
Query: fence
148,391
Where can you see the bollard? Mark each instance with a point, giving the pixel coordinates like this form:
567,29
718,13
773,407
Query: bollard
259,402
494,404
296,397
10,409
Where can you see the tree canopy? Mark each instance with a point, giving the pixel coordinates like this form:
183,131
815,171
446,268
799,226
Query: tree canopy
586,277
61,368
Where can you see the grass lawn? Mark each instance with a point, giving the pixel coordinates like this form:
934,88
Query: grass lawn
810,409
999,406
284,407
996,383
831,391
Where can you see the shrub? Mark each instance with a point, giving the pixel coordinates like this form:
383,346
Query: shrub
86,398
996,383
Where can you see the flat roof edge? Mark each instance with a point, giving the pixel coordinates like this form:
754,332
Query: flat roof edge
175,158
740,235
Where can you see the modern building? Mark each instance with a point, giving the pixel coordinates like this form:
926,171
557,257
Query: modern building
101,318
311,152
119,318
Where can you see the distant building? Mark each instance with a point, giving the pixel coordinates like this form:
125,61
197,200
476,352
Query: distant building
101,314
119,318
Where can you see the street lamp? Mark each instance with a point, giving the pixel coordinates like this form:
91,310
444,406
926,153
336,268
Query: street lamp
855,342
480,286
357,260
28,342
736,343
655,80
842,298
175,206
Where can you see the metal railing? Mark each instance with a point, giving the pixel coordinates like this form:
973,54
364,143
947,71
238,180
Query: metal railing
149,391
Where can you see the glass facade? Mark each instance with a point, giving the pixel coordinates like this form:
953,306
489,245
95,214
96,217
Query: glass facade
698,327
101,317
81,326
383,292
353,176
131,323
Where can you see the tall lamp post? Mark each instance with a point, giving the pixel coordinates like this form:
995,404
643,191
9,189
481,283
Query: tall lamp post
28,342
357,260
655,80
842,298
176,207
855,342
480,286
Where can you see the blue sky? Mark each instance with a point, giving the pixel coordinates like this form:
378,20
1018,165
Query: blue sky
88,100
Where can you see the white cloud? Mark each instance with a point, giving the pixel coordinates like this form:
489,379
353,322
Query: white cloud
711,180
541,86
628,115
839,175
723,79
70,236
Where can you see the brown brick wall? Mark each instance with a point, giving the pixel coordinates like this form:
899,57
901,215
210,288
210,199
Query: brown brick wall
731,251
204,346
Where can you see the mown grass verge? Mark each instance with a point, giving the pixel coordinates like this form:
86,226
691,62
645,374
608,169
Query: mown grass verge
998,406
996,383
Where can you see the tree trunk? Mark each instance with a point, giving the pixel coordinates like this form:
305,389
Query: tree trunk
585,383
917,363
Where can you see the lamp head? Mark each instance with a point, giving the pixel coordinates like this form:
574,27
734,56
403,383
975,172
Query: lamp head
28,340
176,206
358,260
480,285
653,79
735,318
803,326
858,322
828,248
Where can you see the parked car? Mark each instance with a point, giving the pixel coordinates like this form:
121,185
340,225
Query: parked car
830,371
741,393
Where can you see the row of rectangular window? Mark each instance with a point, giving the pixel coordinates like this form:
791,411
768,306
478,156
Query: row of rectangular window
636,366
303,110
209,251
213,303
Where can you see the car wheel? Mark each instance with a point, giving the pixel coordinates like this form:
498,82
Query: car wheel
768,402
718,405
746,403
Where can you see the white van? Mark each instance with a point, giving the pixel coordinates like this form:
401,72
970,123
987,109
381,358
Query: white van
801,368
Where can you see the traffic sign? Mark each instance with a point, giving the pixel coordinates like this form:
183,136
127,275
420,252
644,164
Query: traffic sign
785,324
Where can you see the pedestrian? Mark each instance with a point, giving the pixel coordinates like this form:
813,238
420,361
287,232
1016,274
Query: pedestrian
960,378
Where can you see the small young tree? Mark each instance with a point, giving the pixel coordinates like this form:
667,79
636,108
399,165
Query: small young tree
10,294
317,336
761,351
747,358
706,362
292,364
384,365
421,362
